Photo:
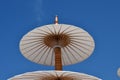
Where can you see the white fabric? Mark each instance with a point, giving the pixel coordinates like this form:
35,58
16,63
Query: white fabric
118,72
39,75
34,49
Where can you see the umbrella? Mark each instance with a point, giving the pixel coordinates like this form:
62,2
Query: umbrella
118,72
57,44
54,75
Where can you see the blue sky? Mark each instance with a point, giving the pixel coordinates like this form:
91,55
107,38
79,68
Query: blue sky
101,18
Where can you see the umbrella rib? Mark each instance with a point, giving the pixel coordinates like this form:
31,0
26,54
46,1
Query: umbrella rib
32,46
31,39
81,39
39,54
78,36
35,36
62,75
71,77
65,29
44,31
52,57
75,51
75,33
50,30
54,29
35,51
38,33
80,46
36,39
82,43
71,30
71,53
70,74
30,75
60,29
67,56
20,78
56,75
31,42
79,49
45,74
50,74
47,55
30,49
87,77
63,61
43,54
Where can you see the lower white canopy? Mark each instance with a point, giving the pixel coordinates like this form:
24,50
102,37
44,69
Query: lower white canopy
54,75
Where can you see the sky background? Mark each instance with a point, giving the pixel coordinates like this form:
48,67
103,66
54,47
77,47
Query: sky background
101,18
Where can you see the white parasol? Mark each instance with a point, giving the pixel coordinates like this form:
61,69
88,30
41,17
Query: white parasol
54,75
118,72
57,44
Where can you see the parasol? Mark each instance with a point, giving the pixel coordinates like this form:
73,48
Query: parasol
57,44
118,72
54,75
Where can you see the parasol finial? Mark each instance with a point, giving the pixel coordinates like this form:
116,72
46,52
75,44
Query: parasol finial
56,19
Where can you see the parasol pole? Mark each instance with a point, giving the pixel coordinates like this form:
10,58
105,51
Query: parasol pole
58,60
57,50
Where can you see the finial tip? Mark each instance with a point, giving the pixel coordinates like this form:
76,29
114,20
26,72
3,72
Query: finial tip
56,19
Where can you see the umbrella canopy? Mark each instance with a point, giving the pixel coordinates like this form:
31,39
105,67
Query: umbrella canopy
75,43
54,75
118,72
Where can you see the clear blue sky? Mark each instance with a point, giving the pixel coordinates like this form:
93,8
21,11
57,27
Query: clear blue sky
101,18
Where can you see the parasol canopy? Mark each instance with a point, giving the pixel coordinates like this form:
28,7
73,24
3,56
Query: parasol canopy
54,75
118,72
38,45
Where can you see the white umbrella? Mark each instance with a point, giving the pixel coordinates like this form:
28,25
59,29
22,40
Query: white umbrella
54,75
57,44
118,72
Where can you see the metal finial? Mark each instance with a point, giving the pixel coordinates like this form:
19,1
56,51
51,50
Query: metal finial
56,19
